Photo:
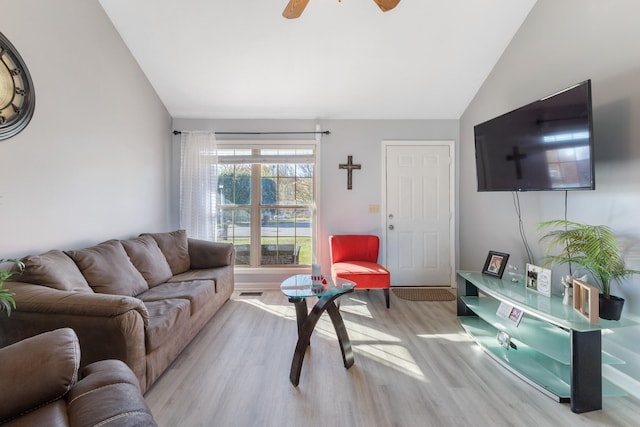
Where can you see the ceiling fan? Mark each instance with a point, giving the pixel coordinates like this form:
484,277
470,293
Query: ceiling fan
295,7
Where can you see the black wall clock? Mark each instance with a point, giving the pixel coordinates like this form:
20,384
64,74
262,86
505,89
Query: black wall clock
17,98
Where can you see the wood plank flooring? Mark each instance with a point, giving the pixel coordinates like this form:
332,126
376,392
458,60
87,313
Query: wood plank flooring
414,366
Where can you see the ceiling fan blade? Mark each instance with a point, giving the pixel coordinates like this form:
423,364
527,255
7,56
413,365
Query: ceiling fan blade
295,8
386,5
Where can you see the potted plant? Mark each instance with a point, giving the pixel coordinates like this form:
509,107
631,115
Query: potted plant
6,296
595,248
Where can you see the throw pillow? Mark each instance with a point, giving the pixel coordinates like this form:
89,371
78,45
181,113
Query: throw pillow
146,256
109,270
53,269
174,245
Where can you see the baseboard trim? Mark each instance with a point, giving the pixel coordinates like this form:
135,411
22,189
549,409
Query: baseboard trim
622,380
256,287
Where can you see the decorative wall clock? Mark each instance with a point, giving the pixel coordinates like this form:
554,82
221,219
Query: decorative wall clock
17,98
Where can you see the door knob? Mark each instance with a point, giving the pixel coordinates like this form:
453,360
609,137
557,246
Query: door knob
390,226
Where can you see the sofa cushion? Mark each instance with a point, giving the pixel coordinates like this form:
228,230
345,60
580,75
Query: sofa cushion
108,269
45,366
146,256
168,319
199,293
214,274
53,269
175,247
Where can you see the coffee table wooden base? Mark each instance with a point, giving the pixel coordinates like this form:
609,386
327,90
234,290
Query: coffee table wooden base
306,325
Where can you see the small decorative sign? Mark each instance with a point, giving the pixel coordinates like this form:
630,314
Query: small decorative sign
509,312
538,279
585,300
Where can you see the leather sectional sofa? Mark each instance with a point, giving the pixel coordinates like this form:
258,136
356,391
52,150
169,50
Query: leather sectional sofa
43,386
140,300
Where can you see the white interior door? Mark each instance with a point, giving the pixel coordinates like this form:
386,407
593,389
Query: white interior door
419,214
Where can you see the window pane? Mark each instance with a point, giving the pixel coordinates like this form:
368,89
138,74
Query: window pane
286,236
234,227
304,191
234,184
294,184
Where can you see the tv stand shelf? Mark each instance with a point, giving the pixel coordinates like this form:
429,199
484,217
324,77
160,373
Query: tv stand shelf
544,339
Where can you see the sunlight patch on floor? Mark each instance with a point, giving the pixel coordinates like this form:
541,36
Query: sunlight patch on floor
393,356
377,345
368,342
361,310
286,311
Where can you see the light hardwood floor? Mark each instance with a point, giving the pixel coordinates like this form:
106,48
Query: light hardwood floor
414,366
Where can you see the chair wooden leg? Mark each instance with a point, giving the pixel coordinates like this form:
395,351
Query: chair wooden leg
386,296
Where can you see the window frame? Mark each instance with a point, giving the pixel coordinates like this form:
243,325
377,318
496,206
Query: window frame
255,207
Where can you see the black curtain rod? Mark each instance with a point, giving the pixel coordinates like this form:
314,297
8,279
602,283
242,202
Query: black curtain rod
325,132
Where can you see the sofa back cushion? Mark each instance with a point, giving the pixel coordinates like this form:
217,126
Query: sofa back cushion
146,256
53,269
109,270
37,370
175,247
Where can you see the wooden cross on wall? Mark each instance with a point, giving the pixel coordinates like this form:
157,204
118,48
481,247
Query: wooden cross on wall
349,166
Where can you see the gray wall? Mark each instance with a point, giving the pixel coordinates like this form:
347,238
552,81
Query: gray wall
339,210
559,44
93,163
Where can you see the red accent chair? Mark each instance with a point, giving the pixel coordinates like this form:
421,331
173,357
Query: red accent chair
355,257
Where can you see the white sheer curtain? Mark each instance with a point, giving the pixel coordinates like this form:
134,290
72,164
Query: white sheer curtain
198,185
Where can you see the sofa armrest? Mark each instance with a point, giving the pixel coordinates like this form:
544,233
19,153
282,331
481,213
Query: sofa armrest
37,370
42,299
108,394
108,326
205,254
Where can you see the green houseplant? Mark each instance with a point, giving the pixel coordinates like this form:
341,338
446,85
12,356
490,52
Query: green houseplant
6,296
596,249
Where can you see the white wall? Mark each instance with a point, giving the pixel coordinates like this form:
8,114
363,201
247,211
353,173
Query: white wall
93,163
340,210
559,44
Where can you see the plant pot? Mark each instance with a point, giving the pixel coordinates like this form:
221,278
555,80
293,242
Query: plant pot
610,308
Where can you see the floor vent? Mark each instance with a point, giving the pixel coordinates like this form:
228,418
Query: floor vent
250,294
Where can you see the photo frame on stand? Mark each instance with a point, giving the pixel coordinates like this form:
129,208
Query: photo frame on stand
538,279
495,264
585,300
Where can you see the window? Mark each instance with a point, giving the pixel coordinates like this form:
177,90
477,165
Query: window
266,203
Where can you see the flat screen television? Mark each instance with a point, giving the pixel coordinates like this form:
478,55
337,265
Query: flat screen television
544,145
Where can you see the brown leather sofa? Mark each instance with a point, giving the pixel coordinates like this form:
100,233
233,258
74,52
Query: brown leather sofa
41,385
140,300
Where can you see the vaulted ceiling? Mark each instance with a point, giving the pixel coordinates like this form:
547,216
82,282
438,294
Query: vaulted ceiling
425,59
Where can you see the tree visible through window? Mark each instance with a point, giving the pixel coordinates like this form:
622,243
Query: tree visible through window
266,204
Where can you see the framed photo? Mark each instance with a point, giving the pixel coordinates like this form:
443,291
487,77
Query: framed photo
495,264
585,300
538,279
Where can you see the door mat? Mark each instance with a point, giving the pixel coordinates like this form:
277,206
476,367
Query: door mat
423,294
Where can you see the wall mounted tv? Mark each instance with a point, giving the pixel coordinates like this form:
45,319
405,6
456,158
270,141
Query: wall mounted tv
545,145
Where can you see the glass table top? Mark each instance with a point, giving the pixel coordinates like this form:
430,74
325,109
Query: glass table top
301,286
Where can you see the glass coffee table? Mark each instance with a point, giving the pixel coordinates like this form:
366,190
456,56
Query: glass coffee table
300,287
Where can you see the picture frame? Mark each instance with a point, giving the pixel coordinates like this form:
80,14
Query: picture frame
585,300
538,279
495,264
